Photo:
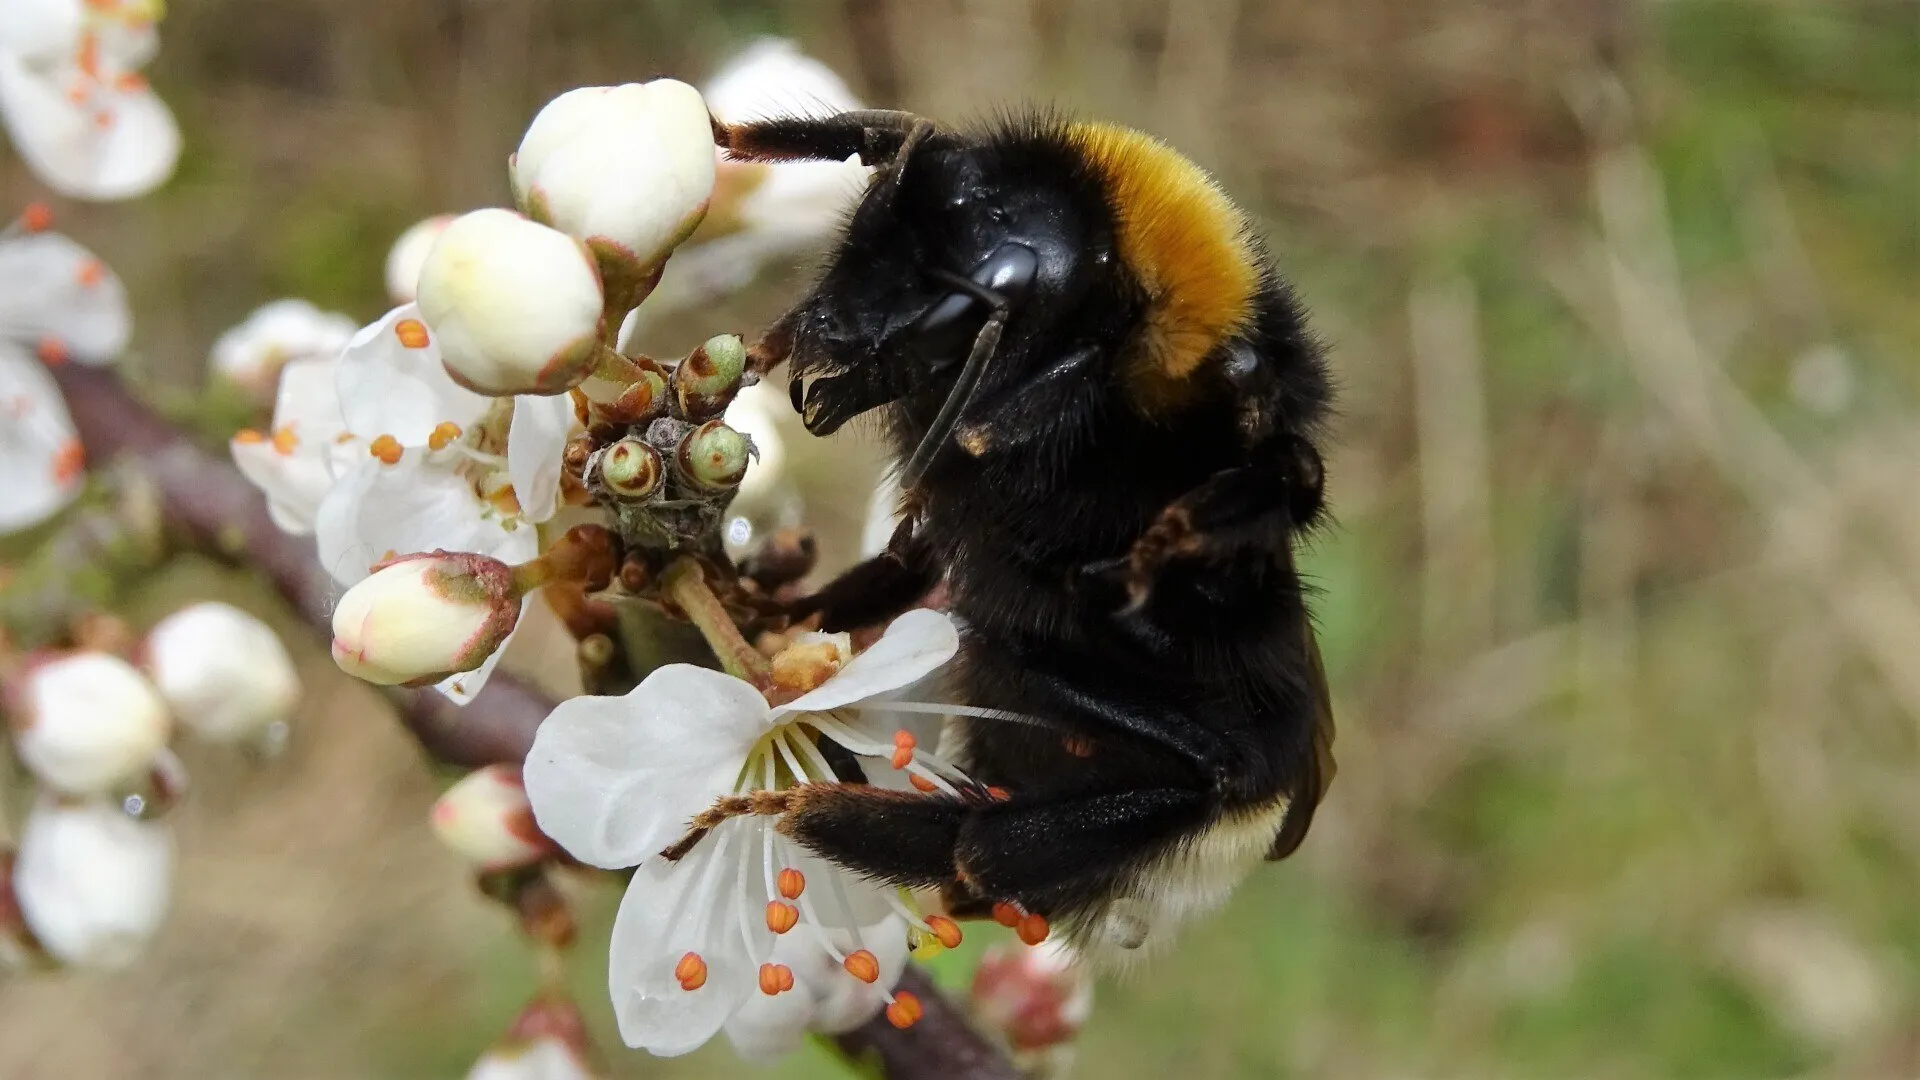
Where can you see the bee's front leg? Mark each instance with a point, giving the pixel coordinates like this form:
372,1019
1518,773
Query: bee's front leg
1241,519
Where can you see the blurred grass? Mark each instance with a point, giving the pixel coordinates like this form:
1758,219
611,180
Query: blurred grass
1620,608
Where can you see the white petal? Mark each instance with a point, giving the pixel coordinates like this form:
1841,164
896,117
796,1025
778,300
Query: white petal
41,31
52,289
671,909
535,442
118,144
389,388
296,469
40,454
545,1058
914,645
846,1002
768,1028
616,779
408,507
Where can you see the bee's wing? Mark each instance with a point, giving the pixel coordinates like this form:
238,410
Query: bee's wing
1322,769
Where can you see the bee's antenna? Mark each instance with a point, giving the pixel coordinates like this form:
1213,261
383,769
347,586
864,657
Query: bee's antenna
984,344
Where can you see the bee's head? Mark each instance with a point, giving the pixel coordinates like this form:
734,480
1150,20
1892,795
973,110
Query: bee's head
939,242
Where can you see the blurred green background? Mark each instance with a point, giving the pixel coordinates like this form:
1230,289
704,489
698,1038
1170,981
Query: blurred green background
1622,606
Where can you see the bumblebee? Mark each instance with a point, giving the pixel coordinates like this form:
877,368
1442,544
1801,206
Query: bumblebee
1106,407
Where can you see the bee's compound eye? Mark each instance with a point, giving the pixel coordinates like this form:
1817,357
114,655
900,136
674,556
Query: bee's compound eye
943,333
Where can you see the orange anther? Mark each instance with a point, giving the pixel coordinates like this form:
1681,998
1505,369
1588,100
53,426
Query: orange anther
412,333
902,756
792,883
87,58
905,738
1078,746
284,440
1032,929
944,929
248,437
53,352
443,435
775,979
782,916
862,965
904,1011
103,119
37,217
130,82
386,448
921,783
999,794
69,461
691,972
78,93
1006,914
92,272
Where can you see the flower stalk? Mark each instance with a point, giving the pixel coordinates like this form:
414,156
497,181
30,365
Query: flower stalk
687,585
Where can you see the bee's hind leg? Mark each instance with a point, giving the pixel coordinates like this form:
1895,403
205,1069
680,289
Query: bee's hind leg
1050,856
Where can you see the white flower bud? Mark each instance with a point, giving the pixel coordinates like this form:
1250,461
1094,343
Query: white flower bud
629,169
486,819
422,618
223,672
251,354
1035,997
87,723
548,1041
92,882
516,305
409,254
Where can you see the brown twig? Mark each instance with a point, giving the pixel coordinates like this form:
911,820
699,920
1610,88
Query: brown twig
208,502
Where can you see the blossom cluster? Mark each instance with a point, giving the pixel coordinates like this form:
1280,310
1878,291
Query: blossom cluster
94,868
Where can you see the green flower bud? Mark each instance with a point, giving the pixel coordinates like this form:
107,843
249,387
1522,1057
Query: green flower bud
713,457
707,380
630,469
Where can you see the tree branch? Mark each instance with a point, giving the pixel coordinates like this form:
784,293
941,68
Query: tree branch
206,500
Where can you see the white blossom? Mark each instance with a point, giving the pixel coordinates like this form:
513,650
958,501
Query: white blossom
42,463
628,169
252,354
409,254
616,780
222,671
87,723
486,819
92,882
72,97
424,618
516,306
